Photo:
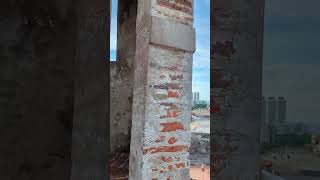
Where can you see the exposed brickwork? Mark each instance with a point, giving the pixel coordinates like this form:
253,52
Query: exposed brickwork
172,140
162,119
174,126
183,6
165,149
177,10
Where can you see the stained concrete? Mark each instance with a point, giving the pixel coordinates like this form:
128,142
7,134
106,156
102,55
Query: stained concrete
236,70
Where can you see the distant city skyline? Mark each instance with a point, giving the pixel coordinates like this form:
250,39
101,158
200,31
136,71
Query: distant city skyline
291,59
274,110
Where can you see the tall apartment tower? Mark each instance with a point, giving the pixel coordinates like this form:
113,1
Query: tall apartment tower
272,110
272,117
198,97
263,110
282,110
264,136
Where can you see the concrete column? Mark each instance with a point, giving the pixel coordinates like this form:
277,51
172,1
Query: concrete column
237,31
90,124
162,94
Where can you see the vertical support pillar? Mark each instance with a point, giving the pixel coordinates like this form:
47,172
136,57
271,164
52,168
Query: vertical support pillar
121,74
162,94
236,88
90,124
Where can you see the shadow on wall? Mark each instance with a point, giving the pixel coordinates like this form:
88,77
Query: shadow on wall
36,89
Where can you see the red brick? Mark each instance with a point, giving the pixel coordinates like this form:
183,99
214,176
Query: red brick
171,126
173,114
154,150
164,159
172,140
173,94
171,105
180,165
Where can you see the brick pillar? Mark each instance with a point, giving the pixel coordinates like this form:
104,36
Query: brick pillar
237,31
162,94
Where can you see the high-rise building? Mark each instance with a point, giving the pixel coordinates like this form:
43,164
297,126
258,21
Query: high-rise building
273,114
264,124
272,110
194,97
197,97
263,110
282,110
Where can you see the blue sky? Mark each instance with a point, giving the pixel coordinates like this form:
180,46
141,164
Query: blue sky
201,58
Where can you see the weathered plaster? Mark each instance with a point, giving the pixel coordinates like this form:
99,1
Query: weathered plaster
162,95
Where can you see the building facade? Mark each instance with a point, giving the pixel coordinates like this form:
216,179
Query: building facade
282,110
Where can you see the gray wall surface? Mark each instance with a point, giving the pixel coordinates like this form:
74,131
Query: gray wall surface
37,64
236,81
36,89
